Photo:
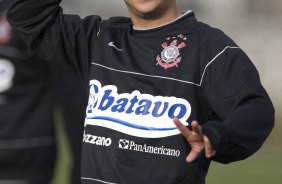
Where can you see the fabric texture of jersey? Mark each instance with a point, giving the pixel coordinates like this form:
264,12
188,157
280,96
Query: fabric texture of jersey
139,80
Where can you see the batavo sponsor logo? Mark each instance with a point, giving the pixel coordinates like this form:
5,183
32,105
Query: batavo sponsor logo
140,115
131,145
97,140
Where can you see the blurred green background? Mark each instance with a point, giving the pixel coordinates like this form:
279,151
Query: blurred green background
256,26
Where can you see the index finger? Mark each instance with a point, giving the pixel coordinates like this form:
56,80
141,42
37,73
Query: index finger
181,127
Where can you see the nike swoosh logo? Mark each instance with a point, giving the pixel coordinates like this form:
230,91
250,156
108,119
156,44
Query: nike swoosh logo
112,44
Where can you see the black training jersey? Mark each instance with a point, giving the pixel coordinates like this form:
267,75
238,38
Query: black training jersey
24,93
26,122
140,80
133,100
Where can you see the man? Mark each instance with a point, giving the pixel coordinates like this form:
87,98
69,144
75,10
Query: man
27,136
29,87
150,75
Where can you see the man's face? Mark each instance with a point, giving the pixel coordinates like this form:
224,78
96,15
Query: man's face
148,8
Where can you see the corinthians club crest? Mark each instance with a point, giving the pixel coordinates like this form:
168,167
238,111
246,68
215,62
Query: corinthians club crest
170,56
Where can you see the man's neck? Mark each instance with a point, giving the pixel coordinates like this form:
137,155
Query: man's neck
143,23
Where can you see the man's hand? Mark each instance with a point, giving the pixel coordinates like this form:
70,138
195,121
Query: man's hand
196,139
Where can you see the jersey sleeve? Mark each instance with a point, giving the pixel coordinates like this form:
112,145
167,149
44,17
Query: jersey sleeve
49,33
240,112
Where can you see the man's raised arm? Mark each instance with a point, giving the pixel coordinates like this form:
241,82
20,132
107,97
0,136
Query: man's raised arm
31,18
55,36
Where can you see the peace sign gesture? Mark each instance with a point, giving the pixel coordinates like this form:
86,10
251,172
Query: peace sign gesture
198,142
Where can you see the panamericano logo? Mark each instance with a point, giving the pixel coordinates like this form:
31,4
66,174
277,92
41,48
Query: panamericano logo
136,114
131,145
